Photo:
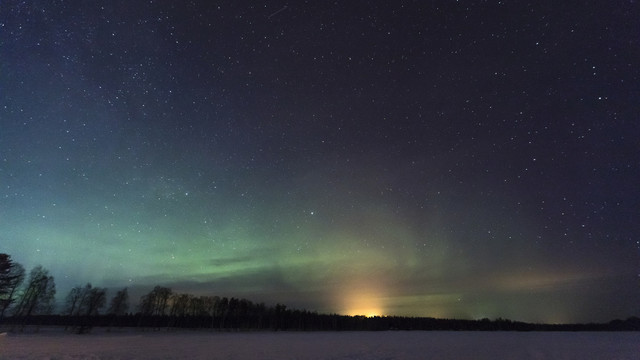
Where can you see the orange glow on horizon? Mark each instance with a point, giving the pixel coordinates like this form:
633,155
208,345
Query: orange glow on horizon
362,302
365,312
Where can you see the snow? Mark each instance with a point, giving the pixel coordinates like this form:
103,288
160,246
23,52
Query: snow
54,344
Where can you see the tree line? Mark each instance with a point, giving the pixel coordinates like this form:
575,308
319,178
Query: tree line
36,296
85,307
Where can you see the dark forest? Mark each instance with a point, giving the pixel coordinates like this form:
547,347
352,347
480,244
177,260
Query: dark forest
30,305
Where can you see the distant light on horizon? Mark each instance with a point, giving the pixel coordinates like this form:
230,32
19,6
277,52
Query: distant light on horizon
416,158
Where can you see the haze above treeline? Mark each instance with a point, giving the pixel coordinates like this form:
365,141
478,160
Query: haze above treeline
31,302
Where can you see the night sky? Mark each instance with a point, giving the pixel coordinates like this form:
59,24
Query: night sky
462,159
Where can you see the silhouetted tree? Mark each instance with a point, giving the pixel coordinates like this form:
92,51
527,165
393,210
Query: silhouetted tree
154,304
119,306
213,308
156,301
11,277
38,295
73,301
178,309
95,300
83,303
119,303
279,319
72,304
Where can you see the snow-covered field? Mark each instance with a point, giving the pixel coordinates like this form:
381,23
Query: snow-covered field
53,344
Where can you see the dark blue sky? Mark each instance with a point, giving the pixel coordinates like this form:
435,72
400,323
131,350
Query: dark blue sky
453,159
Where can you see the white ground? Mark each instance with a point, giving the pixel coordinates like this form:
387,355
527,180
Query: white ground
53,344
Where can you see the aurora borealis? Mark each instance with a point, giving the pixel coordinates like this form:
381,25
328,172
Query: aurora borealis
463,159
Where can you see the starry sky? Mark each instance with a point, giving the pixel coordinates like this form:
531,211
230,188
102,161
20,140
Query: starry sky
462,159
